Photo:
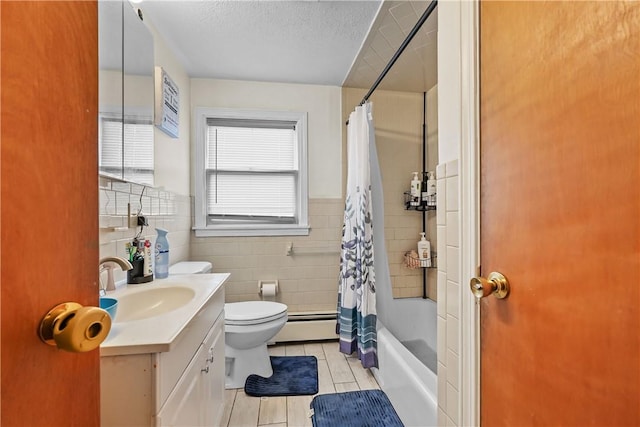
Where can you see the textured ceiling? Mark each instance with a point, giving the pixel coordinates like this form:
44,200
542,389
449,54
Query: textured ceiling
311,42
340,43
416,69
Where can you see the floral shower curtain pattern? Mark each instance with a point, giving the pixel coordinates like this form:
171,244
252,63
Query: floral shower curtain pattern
357,291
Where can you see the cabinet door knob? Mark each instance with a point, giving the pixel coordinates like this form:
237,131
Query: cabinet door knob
205,370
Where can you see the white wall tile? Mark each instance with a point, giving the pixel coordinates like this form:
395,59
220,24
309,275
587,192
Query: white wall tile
107,248
123,187
453,335
450,422
452,193
441,248
453,258
453,371
122,203
405,234
311,279
448,221
442,416
442,385
453,403
442,294
453,299
441,200
107,202
442,340
116,200
453,233
452,168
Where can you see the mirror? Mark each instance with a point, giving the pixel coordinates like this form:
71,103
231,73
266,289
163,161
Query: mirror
126,93
110,100
138,98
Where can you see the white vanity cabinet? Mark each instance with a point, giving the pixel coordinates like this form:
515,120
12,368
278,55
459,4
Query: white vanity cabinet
180,385
197,398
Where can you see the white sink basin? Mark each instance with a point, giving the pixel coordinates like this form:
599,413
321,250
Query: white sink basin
152,302
152,316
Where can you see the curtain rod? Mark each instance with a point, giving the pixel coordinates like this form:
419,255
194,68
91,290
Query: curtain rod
401,49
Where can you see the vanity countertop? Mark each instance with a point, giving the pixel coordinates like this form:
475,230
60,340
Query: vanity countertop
158,333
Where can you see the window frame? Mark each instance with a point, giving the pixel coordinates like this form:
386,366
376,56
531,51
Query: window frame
202,226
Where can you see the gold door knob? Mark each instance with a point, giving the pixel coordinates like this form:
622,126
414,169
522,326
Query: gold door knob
495,284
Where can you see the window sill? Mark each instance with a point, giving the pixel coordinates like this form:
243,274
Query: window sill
251,231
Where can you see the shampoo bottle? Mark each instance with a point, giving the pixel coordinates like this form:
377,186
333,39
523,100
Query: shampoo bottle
162,254
424,195
415,190
431,189
424,251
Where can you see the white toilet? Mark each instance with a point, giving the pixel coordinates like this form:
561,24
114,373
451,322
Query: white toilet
190,267
248,326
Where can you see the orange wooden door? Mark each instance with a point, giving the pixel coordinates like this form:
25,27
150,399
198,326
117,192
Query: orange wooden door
49,206
560,212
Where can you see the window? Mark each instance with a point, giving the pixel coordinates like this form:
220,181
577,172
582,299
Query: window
250,172
136,162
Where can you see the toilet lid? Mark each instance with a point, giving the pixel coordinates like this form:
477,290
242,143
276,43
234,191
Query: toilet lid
253,312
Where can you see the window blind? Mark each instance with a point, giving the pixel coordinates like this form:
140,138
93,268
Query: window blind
252,170
110,144
135,160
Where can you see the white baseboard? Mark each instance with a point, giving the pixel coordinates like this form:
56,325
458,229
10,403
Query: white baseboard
309,330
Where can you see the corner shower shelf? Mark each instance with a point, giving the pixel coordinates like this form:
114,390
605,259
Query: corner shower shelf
421,207
412,261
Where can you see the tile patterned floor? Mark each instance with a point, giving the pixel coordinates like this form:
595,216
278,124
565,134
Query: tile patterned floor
336,373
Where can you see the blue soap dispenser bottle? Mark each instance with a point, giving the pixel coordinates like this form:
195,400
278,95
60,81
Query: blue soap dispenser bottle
162,254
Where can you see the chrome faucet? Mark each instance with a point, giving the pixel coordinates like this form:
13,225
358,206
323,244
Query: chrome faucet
108,264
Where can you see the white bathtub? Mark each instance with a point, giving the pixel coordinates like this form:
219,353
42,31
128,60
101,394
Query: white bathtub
411,386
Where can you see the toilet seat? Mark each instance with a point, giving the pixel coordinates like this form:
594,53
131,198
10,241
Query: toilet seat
253,312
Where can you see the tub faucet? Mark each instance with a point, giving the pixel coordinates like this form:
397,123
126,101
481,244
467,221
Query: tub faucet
108,264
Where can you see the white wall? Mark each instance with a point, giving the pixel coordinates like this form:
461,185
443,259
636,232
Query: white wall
322,103
110,83
449,124
306,282
458,397
449,108
170,209
173,155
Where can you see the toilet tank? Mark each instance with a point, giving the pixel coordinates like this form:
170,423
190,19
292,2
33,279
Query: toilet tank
191,267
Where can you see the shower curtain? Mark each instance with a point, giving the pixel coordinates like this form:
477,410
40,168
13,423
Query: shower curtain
357,291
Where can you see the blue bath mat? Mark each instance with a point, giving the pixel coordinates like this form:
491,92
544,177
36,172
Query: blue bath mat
292,376
366,408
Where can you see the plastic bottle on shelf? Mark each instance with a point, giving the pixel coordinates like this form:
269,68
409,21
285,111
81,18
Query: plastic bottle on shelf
162,254
431,189
416,185
424,251
424,195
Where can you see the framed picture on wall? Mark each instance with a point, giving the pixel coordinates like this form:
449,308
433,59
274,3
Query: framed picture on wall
167,103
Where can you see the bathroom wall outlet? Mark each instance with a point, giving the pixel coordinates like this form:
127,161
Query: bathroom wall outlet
133,218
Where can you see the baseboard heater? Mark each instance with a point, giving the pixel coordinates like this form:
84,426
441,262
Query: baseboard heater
308,326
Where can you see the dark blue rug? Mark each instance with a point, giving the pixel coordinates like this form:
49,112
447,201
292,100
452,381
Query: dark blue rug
292,376
366,408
